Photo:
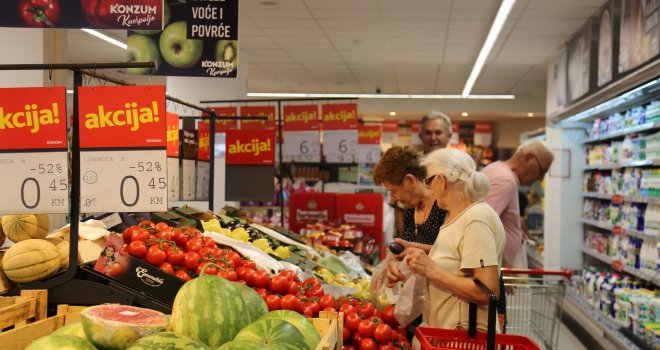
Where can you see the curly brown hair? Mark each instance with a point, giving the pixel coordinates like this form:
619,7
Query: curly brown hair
396,163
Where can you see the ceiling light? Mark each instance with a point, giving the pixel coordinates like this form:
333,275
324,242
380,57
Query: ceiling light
102,36
69,91
496,27
392,114
464,114
445,97
530,114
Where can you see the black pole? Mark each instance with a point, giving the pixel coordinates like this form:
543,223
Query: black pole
211,159
281,163
76,66
74,204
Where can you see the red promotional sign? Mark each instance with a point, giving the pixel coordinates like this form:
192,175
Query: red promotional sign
172,135
204,140
414,127
391,126
339,116
483,133
224,125
310,208
257,111
33,118
122,116
369,134
251,147
455,127
298,118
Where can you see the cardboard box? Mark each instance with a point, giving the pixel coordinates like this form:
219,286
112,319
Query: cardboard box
195,214
90,250
172,219
364,210
136,273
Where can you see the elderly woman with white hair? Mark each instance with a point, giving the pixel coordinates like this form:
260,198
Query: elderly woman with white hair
469,246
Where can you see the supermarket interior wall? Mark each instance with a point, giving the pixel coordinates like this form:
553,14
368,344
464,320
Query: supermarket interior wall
22,46
506,133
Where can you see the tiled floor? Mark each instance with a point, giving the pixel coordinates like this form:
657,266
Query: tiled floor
567,341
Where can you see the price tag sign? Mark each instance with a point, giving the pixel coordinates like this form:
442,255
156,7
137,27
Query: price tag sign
340,146
33,159
302,146
203,173
188,179
368,154
174,180
123,143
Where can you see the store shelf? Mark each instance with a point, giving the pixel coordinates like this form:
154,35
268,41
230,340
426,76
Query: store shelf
647,276
622,133
634,199
635,163
629,232
610,330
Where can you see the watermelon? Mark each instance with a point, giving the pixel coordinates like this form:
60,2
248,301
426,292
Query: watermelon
167,340
209,309
311,334
114,326
244,345
60,342
255,303
75,329
276,334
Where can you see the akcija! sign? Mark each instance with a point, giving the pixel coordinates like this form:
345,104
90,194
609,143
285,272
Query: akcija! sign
250,147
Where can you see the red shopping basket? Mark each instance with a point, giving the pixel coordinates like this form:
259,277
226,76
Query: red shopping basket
456,339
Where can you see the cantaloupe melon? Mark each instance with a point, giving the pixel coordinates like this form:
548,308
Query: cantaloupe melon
63,248
21,227
30,260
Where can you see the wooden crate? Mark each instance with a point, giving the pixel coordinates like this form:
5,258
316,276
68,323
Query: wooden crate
331,327
16,312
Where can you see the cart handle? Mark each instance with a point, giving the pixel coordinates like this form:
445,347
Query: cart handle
565,273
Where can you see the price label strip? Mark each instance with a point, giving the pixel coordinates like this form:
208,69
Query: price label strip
340,146
123,181
302,146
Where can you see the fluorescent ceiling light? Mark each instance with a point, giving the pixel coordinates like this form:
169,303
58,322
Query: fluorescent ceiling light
465,114
69,91
445,97
102,36
495,29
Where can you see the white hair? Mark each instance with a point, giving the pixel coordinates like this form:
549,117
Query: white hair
457,166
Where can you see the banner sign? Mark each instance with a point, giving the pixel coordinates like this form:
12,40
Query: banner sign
257,111
102,14
133,120
224,125
369,137
33,151
200,38
390,131
483,133
339,116
189,136
251,147
204,140
300,117
414,133
640,33
455,133
302,146
172,135
340,146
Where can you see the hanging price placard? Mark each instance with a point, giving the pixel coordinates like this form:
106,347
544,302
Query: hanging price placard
203,174
173,184
188,179
302,146
369,137
33,158
340,146
123,148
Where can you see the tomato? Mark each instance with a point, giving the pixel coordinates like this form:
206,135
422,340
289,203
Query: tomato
165,234
383,333
347,334
137,249
368,344
182,274
348,347
195,245
228,274
273,301
352,320
356,338
262,292
191,261
234,259
260,279
217,253
147,224
155,255
162,226
39,13
248,263
346,308
291,275
366,309
140,234
191,231
366,328
245,274
388,316
293,287
327,300
127,234
377,313
279,284
205,253
330,309
167,267
209,242
175,256
312,287
180,238
290,302
308,311
210,270
388,346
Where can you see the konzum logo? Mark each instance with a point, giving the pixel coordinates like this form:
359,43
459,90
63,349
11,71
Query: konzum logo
133,9
148,279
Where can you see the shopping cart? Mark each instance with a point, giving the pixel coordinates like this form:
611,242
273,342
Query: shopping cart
456,339
534,304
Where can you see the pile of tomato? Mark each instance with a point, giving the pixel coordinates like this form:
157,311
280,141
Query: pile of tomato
182,251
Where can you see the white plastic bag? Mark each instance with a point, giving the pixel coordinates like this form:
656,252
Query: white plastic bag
381,295
413,297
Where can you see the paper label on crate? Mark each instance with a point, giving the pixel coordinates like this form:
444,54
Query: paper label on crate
112,220
311,215
369,219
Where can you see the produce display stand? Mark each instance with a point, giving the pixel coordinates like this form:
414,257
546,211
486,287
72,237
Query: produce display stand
331,326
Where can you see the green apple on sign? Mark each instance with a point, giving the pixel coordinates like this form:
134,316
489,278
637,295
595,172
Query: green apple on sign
142,48
177,49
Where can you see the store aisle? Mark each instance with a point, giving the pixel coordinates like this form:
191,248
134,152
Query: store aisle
567,340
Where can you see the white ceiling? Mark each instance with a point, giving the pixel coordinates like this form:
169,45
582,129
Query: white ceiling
411,47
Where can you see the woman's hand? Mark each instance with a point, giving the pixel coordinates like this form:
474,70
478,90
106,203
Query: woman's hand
393,274
418,261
